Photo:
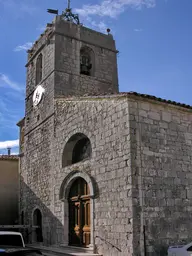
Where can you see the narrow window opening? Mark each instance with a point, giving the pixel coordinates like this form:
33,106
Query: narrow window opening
86,65
86,61
39,69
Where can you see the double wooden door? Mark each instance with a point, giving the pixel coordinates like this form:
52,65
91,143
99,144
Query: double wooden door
79,213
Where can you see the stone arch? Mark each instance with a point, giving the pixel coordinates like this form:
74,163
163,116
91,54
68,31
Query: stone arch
37,220
64,195
70,178
39,68
87,61
77,148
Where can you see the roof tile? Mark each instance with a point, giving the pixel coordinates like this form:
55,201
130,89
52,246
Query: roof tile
9,157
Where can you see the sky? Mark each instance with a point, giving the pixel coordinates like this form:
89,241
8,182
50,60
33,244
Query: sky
153,38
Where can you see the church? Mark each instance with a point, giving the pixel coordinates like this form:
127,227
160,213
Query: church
102,170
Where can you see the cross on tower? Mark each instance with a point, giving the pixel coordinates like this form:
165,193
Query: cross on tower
69,3
69,16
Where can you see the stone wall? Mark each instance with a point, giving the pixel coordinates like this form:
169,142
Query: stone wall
140,168
105,123
83,34
61,77
47,49
34,116
36,174
161,143
69,39
60,46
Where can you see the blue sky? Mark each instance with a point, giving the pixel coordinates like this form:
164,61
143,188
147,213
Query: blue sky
153,37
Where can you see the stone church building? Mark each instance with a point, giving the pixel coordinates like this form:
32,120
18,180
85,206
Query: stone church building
100,169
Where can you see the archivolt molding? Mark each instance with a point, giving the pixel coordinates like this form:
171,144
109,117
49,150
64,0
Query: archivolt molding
70,178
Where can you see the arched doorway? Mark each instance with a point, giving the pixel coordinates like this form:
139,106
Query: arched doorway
79,213
37,221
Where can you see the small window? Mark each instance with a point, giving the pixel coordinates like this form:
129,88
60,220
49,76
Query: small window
39,69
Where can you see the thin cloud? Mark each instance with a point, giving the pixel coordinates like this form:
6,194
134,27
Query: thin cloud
10,118
14,153
41,28
23,47
5,81
9,144
112,8
99,25
138,29
15,95
3,105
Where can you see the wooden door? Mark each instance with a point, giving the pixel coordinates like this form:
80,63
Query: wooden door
79,213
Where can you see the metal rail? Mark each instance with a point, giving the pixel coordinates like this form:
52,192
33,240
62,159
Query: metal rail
18,226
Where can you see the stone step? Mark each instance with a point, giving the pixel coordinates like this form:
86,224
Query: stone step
63,251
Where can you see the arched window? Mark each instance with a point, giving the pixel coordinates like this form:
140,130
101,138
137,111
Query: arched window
39,69
81,150
86,61
78,148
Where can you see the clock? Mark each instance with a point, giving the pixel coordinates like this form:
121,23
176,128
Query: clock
37,95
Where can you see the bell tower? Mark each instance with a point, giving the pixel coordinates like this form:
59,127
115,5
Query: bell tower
85,60
68,60
80,60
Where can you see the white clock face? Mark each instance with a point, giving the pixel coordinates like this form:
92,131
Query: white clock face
37,95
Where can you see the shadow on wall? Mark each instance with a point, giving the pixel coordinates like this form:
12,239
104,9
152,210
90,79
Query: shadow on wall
35,213
161,250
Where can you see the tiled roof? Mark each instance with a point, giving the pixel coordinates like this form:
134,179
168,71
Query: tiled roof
159,99
146,96
9,157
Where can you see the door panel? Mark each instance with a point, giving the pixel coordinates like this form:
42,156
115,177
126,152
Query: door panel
74,224
79,214
86,223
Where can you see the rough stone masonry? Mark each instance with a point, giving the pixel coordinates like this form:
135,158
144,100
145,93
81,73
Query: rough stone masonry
138,169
